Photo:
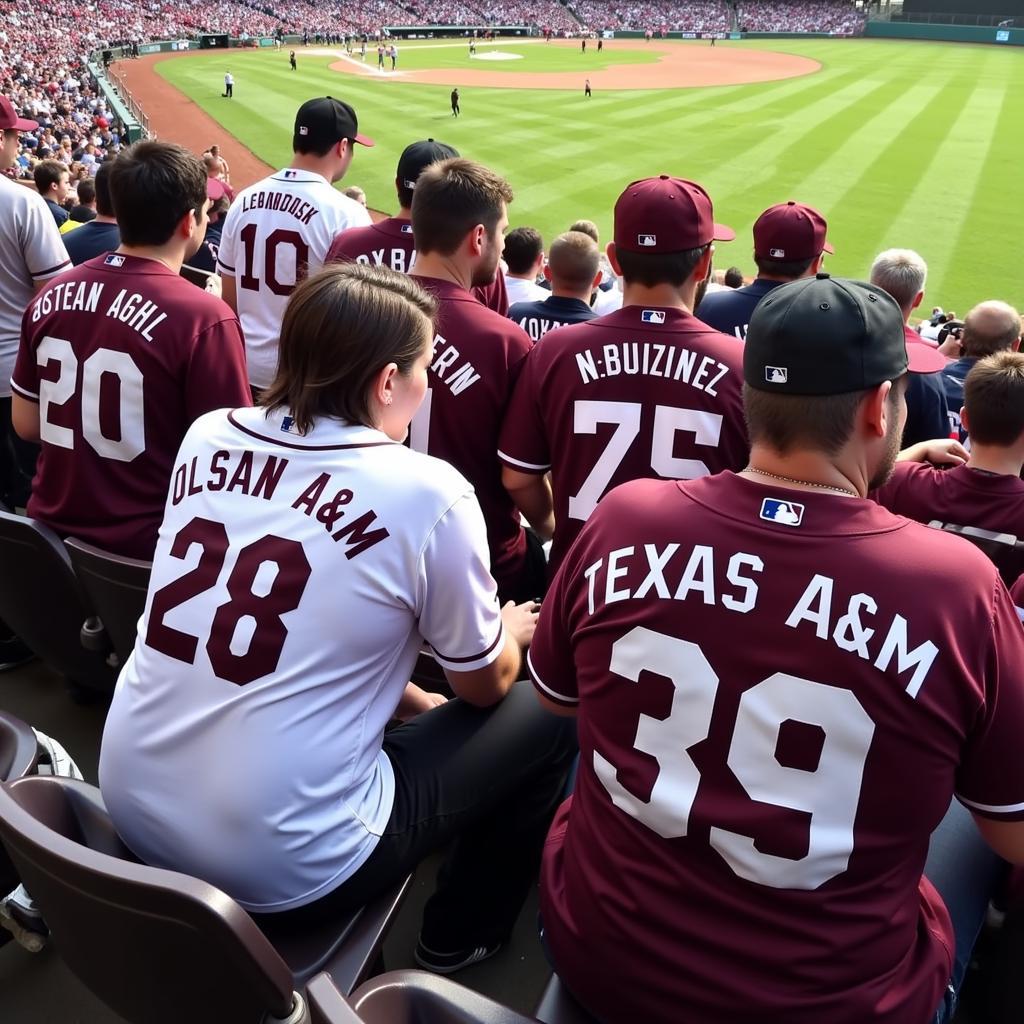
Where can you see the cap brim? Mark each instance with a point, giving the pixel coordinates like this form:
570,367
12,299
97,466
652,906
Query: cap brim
23,124
723,233
364,140
828,248
923,358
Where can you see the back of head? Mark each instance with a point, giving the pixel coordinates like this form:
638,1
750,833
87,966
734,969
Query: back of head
573,260
523,248
588,228
451,198
990,327
47,173
86,191
994,399
152,186
340,328
663,227
902,273
788,238
415,158
733,278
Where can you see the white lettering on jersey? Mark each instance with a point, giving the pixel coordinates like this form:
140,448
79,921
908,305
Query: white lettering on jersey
142,319
851,634
396,259
457,380
536,327
75,296
652,359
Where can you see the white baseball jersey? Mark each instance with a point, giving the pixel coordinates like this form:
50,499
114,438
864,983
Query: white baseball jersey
275,233
293,580
31,250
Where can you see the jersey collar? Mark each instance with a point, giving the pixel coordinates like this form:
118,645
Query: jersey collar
276,428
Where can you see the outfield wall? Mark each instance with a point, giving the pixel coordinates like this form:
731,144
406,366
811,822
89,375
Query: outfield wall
944,33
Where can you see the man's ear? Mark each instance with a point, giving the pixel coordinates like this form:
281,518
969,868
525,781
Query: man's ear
965,425
612,255
875,409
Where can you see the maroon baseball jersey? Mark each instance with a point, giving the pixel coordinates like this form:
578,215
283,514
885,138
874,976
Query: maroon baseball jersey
122,355
389,243
637,393
772,722
477,356
965,496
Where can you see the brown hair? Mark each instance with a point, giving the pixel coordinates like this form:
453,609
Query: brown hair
574,259
588,228
153,185
650,269
450,199
994,399
821,423
47,173
341,327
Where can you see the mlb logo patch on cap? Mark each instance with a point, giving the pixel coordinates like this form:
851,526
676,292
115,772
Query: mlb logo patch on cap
113,260
303,130
788,513
648,241
652,316
777,254
776,374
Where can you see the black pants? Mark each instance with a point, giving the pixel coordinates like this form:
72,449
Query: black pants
487,779
17,462
229,91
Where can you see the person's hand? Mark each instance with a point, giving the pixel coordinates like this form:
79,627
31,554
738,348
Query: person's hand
943,451
415,700
520,621
952,347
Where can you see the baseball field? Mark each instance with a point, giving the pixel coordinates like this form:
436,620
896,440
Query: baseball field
898,144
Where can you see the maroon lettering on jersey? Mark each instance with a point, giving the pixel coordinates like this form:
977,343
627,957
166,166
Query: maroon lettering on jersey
637,393
772,722
122,355
477,356
389,243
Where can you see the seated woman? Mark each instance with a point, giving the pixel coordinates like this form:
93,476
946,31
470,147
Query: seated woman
304,556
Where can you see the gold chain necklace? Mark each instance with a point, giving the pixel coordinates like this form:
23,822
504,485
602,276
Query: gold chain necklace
802,483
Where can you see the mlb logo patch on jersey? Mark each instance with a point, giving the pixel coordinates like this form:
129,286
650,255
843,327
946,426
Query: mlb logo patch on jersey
113,260
652,316
406,229
789,513
648,241
288,425
776,374
777,254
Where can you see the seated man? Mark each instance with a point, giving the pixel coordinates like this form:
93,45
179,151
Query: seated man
572,269
774,715
120,355
100,235
986,492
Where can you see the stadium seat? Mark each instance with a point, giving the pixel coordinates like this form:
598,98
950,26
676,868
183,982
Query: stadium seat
406,997
159,947
41,601
1004,550
19,752
557,1006
116,588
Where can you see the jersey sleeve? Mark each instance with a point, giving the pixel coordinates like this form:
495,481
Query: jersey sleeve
457,605
990,780
42,245
523,443
217,376
227,252
550,657
25,379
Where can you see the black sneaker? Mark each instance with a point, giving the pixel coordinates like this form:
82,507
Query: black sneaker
449,963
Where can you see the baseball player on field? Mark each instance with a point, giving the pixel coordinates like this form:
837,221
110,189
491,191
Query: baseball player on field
120,355
773,721
648,390
327,552
390,243
279,230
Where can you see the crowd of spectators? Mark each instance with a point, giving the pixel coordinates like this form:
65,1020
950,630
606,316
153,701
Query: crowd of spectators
838,17
670,15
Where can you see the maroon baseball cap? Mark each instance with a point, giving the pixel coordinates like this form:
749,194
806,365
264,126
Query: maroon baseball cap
665,214
9,118
790,232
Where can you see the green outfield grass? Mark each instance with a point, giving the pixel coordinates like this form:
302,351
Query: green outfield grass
899,144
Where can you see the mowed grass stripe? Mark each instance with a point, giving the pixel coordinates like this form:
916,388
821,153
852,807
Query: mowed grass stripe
938,199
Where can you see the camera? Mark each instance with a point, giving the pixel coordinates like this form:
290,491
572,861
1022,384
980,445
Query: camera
951,327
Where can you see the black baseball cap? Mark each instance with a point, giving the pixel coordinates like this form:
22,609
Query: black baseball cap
325,121
417,156
827,335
